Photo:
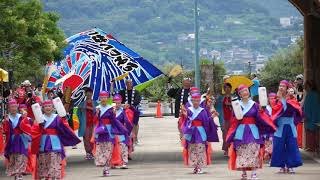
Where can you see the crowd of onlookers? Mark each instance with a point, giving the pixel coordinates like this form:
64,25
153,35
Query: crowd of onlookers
26,94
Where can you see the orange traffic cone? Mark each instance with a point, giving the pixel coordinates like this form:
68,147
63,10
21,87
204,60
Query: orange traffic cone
159,113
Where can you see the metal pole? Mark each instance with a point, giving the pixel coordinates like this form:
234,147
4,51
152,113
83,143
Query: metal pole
196,45
214,74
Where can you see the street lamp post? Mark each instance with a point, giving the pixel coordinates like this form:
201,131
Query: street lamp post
196,45
214,74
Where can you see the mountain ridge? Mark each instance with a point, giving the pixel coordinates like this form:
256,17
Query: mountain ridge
153,27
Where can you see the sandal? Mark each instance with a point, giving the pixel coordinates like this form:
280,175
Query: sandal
254,176
244,177
199,171
106,173
195,170
124,166
291,171
282,170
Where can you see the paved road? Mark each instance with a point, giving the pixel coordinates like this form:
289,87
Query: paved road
159,157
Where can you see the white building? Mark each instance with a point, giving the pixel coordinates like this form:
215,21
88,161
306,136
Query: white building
191,36
261,58
182,37
227,55
204,51
285,22
215,54
259,67
237,72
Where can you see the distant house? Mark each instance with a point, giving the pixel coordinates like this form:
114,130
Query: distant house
259,67
250,40
185,37
260,62
284,41
261,58
191,36
215,55
242,55
237,72
274,42
204,51
294,39
285,22
182,37
238,60
227,55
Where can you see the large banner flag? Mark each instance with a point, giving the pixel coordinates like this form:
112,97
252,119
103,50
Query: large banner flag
93,58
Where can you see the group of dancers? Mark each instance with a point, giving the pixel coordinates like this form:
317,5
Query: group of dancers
262,133
35,144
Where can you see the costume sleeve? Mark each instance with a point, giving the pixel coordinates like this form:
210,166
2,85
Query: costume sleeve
297,117
276,109
130,115
110,114
211,129
66,134
25,126
298,114
64,121
264,122
36,133
232,130
117,127
128,124
186,127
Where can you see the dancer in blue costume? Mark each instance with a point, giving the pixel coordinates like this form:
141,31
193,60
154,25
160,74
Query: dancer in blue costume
287,113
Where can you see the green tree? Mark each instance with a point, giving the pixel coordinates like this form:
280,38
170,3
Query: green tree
30,37
286,64
158,89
